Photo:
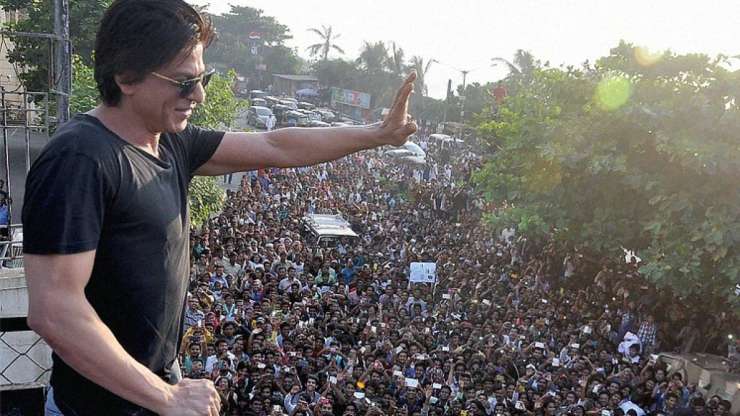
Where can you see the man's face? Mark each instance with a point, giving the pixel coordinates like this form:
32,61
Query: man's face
157,102
671,402
311,385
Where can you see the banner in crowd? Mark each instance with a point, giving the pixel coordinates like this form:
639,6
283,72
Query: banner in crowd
423,273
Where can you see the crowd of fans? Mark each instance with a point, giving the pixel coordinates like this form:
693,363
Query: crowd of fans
511,327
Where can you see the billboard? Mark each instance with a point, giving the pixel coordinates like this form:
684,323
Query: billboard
349,97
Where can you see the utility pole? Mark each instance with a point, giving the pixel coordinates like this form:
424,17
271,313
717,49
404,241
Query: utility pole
62,60
464,73
447,101
462,96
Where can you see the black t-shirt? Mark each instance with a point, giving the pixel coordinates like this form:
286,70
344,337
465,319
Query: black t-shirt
91,190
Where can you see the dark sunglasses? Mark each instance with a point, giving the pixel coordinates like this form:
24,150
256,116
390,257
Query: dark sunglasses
186,87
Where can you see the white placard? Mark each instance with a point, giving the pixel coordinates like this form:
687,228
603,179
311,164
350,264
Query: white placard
423,273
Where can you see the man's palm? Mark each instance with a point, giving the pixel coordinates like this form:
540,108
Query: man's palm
397,127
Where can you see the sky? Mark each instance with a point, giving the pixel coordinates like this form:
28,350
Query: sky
466,34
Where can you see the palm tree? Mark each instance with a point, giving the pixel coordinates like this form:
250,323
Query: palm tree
396,60
523,65
326,44
417,63
374,57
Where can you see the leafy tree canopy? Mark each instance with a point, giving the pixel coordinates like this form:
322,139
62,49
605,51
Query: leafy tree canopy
638,151
32,54
233,48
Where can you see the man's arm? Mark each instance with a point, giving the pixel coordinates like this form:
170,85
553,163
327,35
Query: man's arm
294,147
60,313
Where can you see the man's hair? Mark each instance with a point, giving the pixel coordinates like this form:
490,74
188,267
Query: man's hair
698,401
137,37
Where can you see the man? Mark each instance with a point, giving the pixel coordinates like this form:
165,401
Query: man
222,354
218,276
647,334
193,315
106,218
232,267
4,218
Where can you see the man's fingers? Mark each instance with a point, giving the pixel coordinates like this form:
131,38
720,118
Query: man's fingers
403,92
411,77
410,128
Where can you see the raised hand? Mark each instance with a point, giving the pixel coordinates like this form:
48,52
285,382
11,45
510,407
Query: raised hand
398,125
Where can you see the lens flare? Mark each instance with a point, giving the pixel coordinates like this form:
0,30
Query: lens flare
612,92
646,57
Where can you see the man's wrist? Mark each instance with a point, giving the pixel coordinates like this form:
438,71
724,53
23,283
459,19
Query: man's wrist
374,135
166,399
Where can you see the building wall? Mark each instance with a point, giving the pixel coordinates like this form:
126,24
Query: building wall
8,79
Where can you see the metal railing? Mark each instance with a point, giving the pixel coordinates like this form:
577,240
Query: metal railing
11,250
19,112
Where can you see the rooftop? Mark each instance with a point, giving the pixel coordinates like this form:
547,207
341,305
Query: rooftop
296,77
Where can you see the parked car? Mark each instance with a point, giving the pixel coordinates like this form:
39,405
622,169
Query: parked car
256,94
326,115
295,119
271,101
289,103
318,123
257,116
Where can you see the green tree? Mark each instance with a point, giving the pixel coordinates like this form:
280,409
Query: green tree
32,54
421,68
628,153
221,106
327,43
218,112
337,73
84,89
396,60
373,57
378,77
234,48
477,99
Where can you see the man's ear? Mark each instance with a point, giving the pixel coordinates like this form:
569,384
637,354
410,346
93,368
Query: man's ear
125,83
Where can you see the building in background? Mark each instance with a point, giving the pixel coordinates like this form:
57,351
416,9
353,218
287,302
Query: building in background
8,76
283,84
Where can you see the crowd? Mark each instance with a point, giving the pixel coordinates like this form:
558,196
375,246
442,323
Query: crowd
511,327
